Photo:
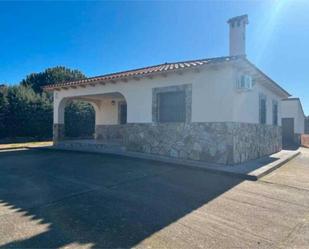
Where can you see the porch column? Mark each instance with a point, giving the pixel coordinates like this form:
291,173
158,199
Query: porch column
58,126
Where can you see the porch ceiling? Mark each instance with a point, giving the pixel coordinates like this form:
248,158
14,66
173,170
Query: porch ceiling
97,97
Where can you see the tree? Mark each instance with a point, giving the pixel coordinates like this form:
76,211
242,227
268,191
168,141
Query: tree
51,76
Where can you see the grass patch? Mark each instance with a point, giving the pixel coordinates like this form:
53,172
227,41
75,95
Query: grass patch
23,145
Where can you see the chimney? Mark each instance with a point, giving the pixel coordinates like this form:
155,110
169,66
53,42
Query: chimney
238,35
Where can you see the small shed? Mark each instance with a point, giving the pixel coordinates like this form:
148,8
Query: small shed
293,121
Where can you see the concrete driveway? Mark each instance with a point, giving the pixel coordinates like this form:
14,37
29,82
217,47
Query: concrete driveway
54,199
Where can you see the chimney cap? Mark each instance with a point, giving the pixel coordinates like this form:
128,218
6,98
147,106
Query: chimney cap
238,19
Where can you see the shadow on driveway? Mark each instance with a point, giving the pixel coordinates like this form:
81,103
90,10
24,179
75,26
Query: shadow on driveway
101,200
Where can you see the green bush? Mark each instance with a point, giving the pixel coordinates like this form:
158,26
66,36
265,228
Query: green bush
26,111
79,119
27,114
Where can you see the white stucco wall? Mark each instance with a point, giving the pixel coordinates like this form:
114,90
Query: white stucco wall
292,109
214,97
246,104
108,112
209,96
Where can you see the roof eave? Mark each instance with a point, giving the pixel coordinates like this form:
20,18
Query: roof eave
285,93
114,77
112,80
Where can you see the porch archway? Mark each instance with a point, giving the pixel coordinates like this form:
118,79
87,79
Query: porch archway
108,109
79,120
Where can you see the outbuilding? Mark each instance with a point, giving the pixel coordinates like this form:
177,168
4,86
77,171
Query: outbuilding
293,121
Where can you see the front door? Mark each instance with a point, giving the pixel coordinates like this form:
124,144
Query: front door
122,113
287,131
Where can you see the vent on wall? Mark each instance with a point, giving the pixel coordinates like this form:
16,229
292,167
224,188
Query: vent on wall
244,83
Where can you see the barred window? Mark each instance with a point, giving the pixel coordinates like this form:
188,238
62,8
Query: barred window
275,112
263,111
171,106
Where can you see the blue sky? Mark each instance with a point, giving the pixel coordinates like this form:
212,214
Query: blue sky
103,37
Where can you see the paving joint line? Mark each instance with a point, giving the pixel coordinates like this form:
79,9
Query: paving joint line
271,198
283,185
247,203
229,226
229,223
138,179
298,226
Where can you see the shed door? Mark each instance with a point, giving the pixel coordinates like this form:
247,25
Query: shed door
288,131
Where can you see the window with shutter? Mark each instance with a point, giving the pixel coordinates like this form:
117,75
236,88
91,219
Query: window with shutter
172,106
275,112
172,103
263,111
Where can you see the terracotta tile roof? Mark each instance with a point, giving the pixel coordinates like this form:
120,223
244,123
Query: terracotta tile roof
157,69
145,71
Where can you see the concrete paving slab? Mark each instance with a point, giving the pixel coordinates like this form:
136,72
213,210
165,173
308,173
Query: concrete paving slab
27,192
294,174
251,170
299,238
86,168
84,203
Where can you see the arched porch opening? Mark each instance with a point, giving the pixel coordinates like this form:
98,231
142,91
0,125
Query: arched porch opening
79,120
91,117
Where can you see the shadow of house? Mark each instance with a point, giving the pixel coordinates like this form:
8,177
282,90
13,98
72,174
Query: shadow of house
105,201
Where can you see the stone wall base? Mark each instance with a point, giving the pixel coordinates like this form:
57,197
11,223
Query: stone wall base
216,142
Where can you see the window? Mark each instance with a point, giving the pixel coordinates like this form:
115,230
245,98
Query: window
263,111
275,112
172,103
171,106
245,82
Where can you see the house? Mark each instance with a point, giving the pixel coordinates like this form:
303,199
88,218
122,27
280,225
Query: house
293,121
221,110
